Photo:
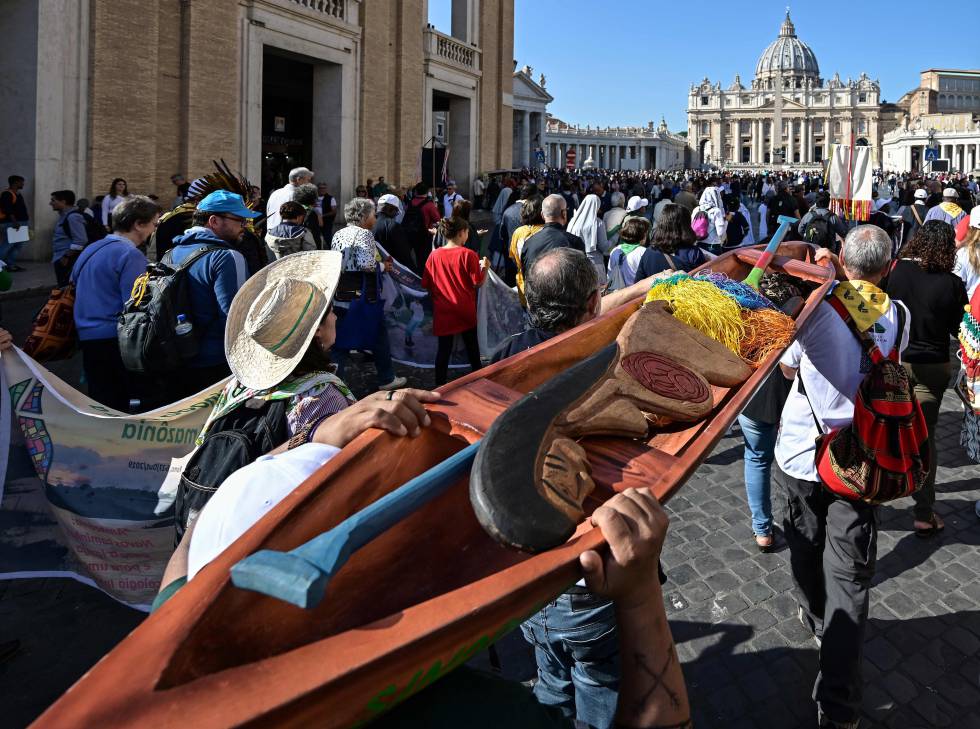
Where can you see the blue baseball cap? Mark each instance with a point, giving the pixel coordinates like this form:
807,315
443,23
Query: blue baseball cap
222,201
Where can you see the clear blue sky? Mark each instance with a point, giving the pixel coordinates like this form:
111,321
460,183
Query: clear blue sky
629,62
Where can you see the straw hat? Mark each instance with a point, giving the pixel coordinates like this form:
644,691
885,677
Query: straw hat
274,316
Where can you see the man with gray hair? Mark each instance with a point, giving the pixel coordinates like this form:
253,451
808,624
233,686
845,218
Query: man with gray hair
574,636
554,211
613,219
562,291
686,198
297,176
833,541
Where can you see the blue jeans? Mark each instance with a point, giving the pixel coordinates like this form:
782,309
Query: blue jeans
381,352
760,447
9,251
576,647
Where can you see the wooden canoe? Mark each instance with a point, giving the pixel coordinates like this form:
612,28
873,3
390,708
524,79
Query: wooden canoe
419,600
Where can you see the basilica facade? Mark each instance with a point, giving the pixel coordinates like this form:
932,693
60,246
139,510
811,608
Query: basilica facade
787,115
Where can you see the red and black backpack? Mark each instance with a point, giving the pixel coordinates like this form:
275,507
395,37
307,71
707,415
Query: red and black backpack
883,454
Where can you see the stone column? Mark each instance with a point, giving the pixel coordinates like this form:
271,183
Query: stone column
525,138
757,141
805,152
790,157
773,134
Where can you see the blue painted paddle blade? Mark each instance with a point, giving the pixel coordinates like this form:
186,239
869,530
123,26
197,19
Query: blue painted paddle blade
281,575
301,575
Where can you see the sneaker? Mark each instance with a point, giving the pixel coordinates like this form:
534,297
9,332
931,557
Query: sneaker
805,621
394,384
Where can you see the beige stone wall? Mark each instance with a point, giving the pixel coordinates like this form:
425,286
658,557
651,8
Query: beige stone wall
164,91
496,118
391,90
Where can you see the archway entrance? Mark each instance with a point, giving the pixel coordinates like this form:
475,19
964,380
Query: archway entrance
705,151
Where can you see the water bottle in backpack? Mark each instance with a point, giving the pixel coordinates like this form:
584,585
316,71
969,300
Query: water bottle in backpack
186,341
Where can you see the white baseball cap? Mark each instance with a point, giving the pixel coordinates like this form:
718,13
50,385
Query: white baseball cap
975,217
389,199
950,192
921,194
636,202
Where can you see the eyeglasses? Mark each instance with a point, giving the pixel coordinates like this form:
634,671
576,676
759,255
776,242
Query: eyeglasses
240,221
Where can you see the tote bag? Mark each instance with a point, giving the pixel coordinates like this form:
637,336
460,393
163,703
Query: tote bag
360,328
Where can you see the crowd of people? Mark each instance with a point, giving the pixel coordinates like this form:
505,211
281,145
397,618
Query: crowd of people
279,304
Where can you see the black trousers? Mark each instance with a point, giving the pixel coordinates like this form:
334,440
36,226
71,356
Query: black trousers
445,351
833,544
191,380
108,380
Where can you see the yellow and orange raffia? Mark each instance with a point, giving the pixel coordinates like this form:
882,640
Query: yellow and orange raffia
703,306
766,331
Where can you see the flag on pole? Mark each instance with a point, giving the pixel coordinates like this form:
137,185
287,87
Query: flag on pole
849,181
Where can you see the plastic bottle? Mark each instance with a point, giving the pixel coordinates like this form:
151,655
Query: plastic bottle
186,343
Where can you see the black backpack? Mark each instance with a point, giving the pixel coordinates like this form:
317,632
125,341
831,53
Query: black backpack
148,341
93,229
233,441
738,226
820,233
413,223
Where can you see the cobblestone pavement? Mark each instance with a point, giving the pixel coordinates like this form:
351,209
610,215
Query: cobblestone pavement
747,661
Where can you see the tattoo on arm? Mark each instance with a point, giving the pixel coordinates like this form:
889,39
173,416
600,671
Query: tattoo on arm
658,679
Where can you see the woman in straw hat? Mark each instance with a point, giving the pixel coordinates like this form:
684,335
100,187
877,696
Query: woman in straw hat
278,336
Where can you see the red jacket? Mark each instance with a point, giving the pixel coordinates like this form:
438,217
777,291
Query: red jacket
430,211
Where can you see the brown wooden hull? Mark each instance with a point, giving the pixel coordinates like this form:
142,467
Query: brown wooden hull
419,600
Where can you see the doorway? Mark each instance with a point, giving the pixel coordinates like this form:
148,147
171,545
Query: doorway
287,118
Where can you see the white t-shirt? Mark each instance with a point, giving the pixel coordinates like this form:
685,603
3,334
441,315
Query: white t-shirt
276,199
965,271
828,358
249,494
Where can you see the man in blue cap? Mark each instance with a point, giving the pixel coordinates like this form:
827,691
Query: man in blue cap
213,280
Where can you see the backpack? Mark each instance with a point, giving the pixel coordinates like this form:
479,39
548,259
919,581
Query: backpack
738,226
233,441
53,335
819,233
93,230
884,453
148,341
968,383
413,223
700,224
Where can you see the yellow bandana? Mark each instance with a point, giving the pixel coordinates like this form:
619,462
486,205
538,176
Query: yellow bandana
865,302
951,209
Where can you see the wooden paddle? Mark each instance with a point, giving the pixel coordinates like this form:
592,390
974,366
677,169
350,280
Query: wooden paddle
755,275
301,575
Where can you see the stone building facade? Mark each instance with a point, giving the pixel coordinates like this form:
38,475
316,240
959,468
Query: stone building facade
615,148
350,88
531,101
734,126
943,112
